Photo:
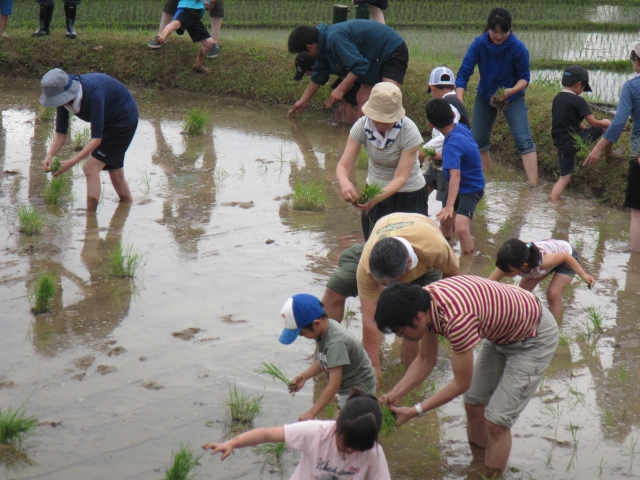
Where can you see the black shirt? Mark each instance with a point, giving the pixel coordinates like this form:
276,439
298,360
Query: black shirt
464,115
567,112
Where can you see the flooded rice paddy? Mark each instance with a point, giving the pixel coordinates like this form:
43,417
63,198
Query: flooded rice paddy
223,251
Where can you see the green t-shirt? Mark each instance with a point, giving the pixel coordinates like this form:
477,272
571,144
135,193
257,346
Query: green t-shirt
339,348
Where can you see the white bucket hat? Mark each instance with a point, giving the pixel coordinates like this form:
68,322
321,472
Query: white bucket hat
384,104
57,88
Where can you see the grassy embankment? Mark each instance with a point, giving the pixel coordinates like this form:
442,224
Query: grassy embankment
470,14
263,71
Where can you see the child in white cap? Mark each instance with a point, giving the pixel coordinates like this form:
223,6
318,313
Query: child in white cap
339,354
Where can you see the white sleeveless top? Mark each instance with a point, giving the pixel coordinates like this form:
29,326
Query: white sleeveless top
546,247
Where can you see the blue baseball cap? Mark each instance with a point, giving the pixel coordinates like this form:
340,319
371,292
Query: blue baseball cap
298,311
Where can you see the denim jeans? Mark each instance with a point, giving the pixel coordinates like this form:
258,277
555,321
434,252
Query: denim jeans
485,115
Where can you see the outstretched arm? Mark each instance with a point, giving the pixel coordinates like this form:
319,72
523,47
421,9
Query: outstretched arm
248,439
554,259
497,275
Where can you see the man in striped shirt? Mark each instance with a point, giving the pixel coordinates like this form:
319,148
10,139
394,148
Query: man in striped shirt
519,338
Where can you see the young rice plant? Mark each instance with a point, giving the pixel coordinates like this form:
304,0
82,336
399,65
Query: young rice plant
42,294
195,122
369,192
274,371
389,423
57,188
45,114
55,165
272,451
183,464
428,151
242,408
362,162
583,148
80,138
309,197
16,425
123,261
30,220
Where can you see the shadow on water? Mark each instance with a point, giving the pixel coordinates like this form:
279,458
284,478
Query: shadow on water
224,250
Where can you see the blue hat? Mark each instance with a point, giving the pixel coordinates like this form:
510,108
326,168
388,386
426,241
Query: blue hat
299,311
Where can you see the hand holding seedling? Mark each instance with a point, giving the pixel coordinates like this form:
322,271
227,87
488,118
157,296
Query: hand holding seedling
224,448
349,192
403,414
589,280
388,399
337,95
297,383
298,107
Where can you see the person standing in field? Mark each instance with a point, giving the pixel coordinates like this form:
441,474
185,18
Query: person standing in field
113,114
375,8
503,62
518,338
6,9
357,50
216,14
46,14
391,140
628,105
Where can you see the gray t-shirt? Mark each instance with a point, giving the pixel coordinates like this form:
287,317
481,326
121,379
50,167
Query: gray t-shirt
339,348
384,161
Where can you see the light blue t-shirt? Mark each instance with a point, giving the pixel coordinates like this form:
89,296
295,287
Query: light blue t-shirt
195,4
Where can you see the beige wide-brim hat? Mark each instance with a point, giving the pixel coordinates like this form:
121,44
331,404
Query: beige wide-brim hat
384,104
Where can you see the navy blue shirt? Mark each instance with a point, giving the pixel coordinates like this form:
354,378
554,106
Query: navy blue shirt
460,152
105,103
356,46
500,65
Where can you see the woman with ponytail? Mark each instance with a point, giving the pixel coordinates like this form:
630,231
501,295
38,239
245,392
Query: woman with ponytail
345,447
536,261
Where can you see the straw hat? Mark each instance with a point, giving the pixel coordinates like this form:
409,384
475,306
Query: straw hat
57,88
384,104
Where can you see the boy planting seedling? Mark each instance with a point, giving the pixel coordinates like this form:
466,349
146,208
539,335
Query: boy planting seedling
189,17
339,354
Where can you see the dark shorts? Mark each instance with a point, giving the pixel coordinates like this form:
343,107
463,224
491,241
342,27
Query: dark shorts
406,202
6,7
190,21
435,179
114,145
50,2
567,156
394,67
566,269
632,196
350,96
466,203
170,7
381,4
344,280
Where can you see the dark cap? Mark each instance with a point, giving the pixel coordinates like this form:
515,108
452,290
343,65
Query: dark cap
579,73
304,63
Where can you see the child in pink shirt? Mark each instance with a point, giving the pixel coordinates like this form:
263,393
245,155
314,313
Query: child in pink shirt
347,448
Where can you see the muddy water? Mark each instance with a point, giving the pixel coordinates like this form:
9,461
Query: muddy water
105,364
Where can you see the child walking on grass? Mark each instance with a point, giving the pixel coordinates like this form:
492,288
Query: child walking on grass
536,261
568,111
347,447
339,354
189,17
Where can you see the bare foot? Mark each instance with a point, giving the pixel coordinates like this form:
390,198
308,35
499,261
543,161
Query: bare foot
200,68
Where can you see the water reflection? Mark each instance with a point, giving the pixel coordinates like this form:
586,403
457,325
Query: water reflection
101,303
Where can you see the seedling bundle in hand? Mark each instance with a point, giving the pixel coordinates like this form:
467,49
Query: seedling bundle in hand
55,165
389,423
428,151
369,192
277,373
583,148
496,99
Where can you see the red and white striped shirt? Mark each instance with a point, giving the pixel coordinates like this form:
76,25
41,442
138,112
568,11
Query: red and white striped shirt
466,309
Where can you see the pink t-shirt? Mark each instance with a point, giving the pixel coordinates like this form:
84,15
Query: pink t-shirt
321,459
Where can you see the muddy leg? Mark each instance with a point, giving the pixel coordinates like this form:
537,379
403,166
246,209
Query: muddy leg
486,160
202,54
92,204
476,430
120,185
530,162
555,291
498,449
334,304
559,187
92,168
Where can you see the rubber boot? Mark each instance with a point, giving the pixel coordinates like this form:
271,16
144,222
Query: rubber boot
70,13
46,13
199,65
92,204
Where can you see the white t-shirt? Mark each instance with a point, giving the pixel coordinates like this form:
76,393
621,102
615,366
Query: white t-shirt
321,459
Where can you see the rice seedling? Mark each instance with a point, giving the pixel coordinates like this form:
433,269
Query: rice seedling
389,423
309,197
330,410
593,322
275,372
55,165
195,122
369,192
272,451
549,456
220,174
242,408
574,435
482,206
348,312
496,101
607,417
122,261
57,188
145,180
563,341
428,151
506,228
630,445
583,148
434,451
16,425
183,464
362,162
30,220
80,138
45,114
42,294
622,374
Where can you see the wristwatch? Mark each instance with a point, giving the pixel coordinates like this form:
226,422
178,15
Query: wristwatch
419,410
